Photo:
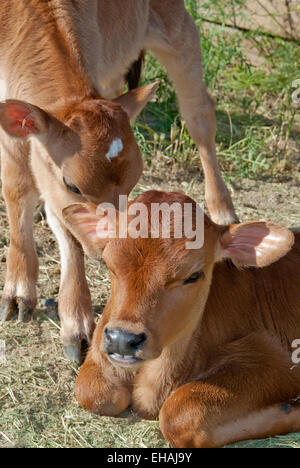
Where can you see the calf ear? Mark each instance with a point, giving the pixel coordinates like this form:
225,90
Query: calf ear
134,102
91,227
20,119
256,244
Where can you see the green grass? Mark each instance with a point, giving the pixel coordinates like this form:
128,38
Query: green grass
256,135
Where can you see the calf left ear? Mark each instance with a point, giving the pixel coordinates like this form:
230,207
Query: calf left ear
255,244
134,102
21,119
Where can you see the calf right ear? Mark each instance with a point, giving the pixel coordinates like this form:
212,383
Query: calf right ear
90,226
255,244
21,120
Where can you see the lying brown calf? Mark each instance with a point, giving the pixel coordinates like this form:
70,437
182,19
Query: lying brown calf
190,338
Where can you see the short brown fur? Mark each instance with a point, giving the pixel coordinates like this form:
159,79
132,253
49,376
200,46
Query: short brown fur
217,364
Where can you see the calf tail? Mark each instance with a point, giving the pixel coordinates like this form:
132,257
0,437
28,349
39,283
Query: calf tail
134,73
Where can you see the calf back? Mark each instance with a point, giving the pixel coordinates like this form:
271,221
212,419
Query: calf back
52,48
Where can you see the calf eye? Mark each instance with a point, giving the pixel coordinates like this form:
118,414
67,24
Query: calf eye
194,277
71,186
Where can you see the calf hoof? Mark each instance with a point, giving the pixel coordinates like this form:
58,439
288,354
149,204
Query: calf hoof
16,309
73,353
223,217
221,211
76,352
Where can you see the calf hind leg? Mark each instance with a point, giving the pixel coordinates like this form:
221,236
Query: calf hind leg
174,39
242,398
212,432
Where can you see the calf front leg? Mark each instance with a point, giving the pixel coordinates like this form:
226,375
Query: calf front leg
248,395
99,387
75,307
174,40
19,293
99,390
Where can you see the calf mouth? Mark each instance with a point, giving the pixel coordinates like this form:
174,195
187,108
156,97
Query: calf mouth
124,361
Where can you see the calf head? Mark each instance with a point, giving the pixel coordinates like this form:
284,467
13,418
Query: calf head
159,287
90,142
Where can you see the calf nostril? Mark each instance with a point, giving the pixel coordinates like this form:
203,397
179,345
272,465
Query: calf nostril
108,336
118,341
138,341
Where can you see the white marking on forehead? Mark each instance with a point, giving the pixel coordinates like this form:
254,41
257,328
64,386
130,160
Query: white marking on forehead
115,149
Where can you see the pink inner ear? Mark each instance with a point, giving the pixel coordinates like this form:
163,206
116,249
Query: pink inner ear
81,214
242,243
89,226
18,120
85,220
242,254
250,236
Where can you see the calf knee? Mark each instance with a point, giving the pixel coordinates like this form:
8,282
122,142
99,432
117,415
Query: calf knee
201,118
184,427
99,393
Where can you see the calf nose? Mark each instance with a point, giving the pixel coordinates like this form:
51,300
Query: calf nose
118,341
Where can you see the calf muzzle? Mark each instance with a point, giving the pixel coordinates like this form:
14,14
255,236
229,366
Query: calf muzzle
122,345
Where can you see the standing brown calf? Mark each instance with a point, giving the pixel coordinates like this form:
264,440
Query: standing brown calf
64,140
189,337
